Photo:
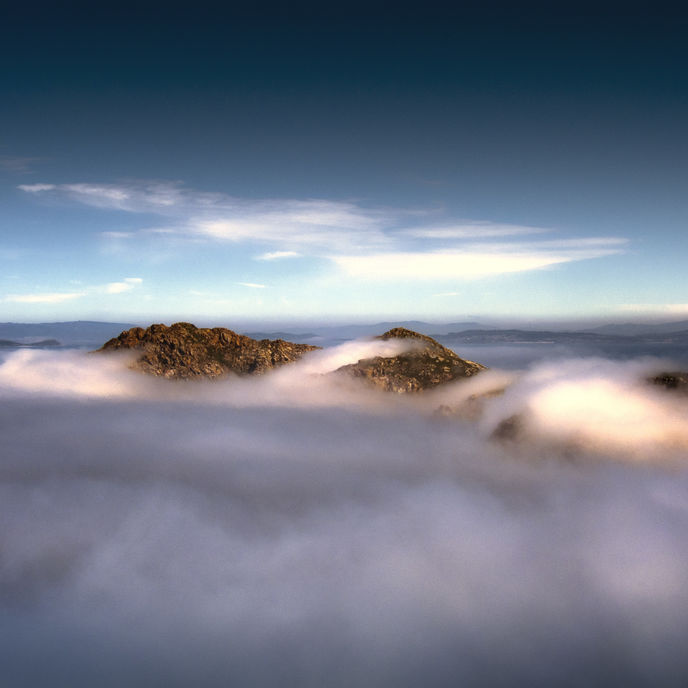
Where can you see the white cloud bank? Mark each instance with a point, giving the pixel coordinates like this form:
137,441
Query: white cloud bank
226,535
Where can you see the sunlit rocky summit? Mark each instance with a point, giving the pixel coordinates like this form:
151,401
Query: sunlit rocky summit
183,351
424,365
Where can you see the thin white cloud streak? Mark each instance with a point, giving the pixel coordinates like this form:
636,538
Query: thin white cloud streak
43,297
118,235
127,284
319,225
252,285
451,265
120,287
278,255
472,230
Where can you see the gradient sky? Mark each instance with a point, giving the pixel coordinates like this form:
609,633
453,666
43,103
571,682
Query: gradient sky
296,162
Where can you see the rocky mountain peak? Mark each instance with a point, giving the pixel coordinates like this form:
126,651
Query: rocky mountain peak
183,350
424,365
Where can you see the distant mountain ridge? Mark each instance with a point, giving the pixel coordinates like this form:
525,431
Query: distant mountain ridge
552,337
71,333
640,329
11,344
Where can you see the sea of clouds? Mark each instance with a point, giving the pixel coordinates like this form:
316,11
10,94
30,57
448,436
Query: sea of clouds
297,529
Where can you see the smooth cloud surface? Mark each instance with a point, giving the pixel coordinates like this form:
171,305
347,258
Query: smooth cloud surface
294,530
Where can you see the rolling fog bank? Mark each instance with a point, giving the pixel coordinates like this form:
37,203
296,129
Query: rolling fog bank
297,530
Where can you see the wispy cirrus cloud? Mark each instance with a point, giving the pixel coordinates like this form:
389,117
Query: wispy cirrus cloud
286,224
474,261
127,284
252,285
43,297
18,164
364,243
472,230
278,255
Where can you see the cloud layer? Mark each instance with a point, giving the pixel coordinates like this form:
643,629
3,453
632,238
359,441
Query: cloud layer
215,534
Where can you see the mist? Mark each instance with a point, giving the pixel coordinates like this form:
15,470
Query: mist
299,529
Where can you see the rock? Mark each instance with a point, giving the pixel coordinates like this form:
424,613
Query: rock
183,350
511,429
673,381
425,365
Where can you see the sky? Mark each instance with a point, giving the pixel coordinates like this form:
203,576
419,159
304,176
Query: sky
293,162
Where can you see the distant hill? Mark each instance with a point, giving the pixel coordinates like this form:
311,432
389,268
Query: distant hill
11,344
328,335
79,333
546,343
637,329
550,337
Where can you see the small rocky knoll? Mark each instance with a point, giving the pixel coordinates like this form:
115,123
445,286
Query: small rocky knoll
425,365
674,381
183,351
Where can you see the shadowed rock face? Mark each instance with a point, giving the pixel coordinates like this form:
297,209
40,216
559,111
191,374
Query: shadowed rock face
677,381
183,350
426,365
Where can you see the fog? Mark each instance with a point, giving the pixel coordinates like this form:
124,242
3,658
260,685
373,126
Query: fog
298,529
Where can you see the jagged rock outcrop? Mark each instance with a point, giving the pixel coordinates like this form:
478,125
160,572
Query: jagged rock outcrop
675,381
183,350
426,364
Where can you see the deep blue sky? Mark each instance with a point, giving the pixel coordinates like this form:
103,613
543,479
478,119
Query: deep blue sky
285,162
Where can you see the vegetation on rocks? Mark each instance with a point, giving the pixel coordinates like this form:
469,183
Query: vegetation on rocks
426,364
183,350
